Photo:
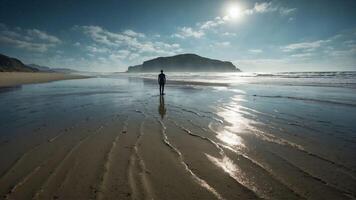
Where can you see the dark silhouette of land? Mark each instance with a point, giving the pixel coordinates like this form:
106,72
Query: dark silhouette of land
184,63
8,64
13,72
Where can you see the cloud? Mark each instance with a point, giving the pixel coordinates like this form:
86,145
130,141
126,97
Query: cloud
264,7
96,49
186,32
345,49
331,53
201,28
255,51
35,33
133,33
287,11
222,44
338,50
302,55
304,46
119,55
267,7
123,47
212,23
134,41
33,40
229,34
30,46
101,36
351,52
11,34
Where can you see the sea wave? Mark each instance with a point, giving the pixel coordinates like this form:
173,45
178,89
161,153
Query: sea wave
307,99
340,74
341,79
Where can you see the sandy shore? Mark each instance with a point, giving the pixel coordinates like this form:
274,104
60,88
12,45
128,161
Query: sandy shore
115,138
8,79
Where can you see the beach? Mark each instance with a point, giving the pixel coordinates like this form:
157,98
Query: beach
8,79
211,136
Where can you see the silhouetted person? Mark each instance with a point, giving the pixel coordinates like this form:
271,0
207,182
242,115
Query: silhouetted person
161,82
161,108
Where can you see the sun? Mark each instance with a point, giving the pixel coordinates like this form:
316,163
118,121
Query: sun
234,11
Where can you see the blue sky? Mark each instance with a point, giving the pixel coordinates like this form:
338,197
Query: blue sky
263,36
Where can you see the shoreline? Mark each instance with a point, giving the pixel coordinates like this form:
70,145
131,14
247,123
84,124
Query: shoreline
11,79
186,82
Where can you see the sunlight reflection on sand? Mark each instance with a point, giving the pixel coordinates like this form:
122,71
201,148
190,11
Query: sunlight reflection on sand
236,123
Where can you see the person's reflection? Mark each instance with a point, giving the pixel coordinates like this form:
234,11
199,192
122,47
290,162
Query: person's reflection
161,108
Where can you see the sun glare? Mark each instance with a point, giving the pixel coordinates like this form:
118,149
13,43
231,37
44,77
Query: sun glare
234,11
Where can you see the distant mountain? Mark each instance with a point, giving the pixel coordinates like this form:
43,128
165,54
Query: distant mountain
64,70
40,68
184,63
8,64
49,69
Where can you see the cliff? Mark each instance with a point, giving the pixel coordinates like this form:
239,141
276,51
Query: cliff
8,64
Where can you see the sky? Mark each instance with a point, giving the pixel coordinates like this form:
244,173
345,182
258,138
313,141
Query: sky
110,35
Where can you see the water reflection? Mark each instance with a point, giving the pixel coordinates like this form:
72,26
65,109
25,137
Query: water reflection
229,138
235,172
236,123
227,165
10,88
161,108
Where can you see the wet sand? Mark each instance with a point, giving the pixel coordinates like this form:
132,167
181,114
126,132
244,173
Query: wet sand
8,79
117,139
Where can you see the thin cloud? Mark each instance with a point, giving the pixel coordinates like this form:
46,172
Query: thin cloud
126,39
34,40
304,46
268,7
337,49
96,49
124,47
302,55
264,7
212,23
287,11
229,34
222,44
133,33
35,33
29,46
186,32
256,51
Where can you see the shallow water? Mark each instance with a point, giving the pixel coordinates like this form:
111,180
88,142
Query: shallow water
273,136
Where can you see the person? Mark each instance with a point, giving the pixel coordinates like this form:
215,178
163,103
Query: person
161,82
